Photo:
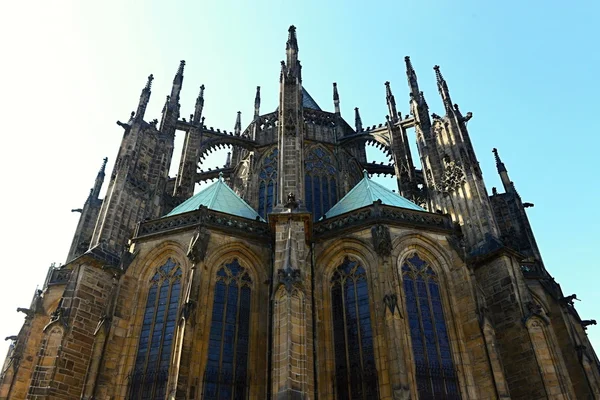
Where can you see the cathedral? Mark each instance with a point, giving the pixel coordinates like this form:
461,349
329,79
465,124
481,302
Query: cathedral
294,275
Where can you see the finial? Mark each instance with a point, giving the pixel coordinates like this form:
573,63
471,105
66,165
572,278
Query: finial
199,105
336,95
357,120
181,65
499,164
443,89
409,66
149,82
221,176
228,160
292,40
365,174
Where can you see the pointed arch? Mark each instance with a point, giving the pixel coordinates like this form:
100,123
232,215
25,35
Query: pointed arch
226,373
267,182
320,180
43,372
151,367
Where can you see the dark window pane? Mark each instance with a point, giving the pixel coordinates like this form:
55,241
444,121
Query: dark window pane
355,372
436,377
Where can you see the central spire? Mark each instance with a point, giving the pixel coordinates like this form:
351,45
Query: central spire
291,124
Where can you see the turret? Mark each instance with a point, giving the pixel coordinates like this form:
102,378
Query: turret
336,99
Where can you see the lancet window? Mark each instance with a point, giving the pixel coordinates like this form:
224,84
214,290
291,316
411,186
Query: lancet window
355,373
150,375
267,184
320,182
226,375
43,372
435,372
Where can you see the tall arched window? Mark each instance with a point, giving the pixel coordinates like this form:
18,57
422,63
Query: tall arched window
320,182
151,372
355,373
43,372
226,375
267,184
435,374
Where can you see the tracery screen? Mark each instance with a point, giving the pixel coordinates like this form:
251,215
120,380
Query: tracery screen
435,373
320,182
227,366
355,373
151,372
267,186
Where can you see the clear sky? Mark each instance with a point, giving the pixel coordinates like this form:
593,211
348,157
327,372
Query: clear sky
528,70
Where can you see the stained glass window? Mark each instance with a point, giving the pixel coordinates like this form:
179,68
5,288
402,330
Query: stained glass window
320,182
355,373
226,375
150,375
267,184
435,373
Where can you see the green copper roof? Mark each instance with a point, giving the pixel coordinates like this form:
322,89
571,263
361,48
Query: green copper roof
365,193
218,197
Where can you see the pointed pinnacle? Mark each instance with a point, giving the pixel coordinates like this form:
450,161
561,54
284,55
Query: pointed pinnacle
103,167
181,66
149,82
238,124
357,120
409,67
292,42
336,95
499,164
257,97
438,74
388,90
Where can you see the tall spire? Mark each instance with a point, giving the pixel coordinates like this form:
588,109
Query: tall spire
144,99
336,99
412,79
238,124
99,180
443,89
508,187
199,106
391,102
357,120
257,103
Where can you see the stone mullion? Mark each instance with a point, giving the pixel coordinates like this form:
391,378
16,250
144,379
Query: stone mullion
423,335
435,330
360,342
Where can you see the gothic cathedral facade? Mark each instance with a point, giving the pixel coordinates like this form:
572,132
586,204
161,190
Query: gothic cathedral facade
294,275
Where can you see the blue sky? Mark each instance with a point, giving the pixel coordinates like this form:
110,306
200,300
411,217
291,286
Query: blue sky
70,69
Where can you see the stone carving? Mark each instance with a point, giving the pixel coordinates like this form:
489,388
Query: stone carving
453,177
391,302
198,245
288,277
382,241
291,203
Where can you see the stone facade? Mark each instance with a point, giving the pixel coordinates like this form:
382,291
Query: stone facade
452,301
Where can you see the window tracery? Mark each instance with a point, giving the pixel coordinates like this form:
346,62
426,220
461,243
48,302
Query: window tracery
435,373
227,366
267,183
150,374
320,182
355,372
